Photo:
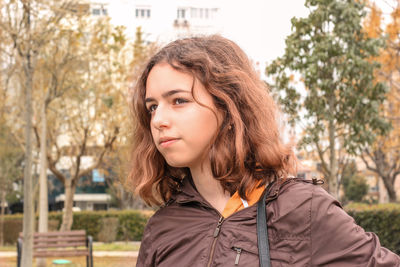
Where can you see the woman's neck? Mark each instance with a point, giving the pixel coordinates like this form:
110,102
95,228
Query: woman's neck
209,188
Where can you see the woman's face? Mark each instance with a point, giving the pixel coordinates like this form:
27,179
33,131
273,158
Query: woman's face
182,129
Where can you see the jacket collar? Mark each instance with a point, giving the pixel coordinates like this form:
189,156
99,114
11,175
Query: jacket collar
188,193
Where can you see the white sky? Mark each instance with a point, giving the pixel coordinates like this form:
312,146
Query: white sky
260,26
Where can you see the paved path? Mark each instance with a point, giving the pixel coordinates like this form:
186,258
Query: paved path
6,254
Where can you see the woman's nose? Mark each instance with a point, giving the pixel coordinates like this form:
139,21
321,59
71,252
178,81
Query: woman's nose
160,118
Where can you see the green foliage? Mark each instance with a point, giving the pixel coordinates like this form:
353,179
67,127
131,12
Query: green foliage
12,228
108,231
333,57
141,51
90,221
11,158
130,225
355,186
356,189
349,171
139,45
382,219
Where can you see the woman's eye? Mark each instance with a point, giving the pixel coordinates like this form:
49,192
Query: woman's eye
179,101
152,108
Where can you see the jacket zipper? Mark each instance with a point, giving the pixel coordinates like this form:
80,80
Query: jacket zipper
238,251
216,233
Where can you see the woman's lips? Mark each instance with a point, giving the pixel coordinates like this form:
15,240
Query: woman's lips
166,142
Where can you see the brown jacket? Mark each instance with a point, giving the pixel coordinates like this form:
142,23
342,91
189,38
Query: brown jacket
306,227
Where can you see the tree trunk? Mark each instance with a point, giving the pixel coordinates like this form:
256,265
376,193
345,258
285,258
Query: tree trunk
383,170
3,209
389,188
67,221
120,197
333,166
28,213
43,199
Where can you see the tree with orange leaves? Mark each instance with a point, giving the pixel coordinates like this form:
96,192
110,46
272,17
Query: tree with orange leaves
383,157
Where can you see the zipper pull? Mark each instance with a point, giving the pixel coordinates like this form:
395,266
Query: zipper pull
216,232
238,251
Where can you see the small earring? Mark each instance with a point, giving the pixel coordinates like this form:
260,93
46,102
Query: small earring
230,127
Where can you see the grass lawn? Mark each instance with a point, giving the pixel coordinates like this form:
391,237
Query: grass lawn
81,262
8,248
118,246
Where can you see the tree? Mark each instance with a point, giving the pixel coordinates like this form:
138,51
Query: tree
11,158
116,163
57,64
383,157
28,25
331,54
141,51
28,29
87,121
11,154
115,166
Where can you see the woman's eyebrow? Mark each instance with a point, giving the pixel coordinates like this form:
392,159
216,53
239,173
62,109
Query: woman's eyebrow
167,94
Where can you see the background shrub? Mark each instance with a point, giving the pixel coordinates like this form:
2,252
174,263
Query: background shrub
89,221
129,224
12,228
108,230
382,219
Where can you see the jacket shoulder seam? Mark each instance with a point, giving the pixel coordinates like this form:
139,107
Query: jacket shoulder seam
310,214
151,236
149,245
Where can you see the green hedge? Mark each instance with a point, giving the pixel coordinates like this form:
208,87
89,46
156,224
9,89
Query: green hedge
130,224
382,219
12,228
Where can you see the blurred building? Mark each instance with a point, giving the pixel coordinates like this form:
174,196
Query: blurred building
309,167
160,20
87,202
91,193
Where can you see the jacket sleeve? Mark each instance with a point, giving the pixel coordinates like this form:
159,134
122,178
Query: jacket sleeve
146,257
336,240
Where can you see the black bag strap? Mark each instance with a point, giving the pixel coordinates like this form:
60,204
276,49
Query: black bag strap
262,232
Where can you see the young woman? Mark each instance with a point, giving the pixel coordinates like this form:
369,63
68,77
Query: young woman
206,146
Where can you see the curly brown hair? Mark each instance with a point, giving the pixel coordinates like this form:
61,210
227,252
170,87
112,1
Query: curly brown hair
247,151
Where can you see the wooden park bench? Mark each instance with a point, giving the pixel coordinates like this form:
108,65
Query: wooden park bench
59,244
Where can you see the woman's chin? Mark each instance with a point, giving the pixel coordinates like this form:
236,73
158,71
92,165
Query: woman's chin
177,164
